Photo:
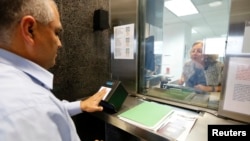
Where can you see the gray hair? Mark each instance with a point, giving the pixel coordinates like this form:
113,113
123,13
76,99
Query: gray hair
12,11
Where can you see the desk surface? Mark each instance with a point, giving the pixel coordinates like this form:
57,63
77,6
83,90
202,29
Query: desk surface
198,132
208,101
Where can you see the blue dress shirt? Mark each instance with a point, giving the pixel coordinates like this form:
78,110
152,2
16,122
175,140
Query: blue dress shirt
28,109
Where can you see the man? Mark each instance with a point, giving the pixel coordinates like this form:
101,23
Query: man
29,42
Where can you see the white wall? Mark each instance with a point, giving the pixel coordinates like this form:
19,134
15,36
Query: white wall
175,38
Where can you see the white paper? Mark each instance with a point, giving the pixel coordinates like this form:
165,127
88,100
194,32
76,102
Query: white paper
237,90
178,126
124,42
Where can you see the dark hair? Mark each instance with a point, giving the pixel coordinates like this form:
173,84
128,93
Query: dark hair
8,11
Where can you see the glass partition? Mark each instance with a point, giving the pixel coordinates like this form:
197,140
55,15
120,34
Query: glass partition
182,51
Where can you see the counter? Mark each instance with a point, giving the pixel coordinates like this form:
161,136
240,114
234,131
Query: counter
198,132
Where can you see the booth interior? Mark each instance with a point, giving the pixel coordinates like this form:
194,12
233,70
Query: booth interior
175,68
197,63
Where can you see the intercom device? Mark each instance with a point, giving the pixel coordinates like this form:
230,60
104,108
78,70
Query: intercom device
101,20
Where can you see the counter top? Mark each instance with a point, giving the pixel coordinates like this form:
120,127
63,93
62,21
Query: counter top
198,132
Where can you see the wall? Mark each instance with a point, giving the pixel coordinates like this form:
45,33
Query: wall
174,41
83,64
125,12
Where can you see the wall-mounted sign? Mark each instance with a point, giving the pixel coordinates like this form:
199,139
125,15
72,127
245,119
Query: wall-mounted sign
124,42
235,100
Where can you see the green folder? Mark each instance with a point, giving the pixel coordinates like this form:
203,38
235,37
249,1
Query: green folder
149,115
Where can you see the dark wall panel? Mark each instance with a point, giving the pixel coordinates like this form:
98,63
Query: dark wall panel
83,64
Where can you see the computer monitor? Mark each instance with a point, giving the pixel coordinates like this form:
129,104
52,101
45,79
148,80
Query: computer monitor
235,96
149,54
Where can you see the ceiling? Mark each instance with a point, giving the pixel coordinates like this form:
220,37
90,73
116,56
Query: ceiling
209,22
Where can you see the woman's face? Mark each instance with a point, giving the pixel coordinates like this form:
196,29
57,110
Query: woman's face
196,52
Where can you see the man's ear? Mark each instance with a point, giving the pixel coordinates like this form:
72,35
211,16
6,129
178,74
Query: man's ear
28,24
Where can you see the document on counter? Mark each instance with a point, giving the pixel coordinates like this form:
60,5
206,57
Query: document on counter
178,126
149,115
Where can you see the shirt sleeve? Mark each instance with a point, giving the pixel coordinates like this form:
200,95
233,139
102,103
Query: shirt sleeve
37,124
73,107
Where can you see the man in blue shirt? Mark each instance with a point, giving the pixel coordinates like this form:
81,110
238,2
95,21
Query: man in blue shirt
29,42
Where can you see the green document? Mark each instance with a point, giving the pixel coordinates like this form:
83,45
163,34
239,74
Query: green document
147,114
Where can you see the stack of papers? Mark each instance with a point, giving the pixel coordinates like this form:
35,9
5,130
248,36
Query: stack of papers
160,118
178,126
149,115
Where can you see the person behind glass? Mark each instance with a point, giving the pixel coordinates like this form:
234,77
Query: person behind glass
193,73
213,71
29,40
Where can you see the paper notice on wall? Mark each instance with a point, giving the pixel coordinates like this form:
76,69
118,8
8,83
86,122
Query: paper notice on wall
124,42
237,90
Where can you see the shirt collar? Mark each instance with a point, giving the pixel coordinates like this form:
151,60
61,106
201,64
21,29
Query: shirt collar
27,66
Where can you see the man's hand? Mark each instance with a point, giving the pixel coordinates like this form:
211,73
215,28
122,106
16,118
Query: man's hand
91,104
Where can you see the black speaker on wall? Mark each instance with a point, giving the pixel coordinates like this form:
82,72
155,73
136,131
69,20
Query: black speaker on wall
101,20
